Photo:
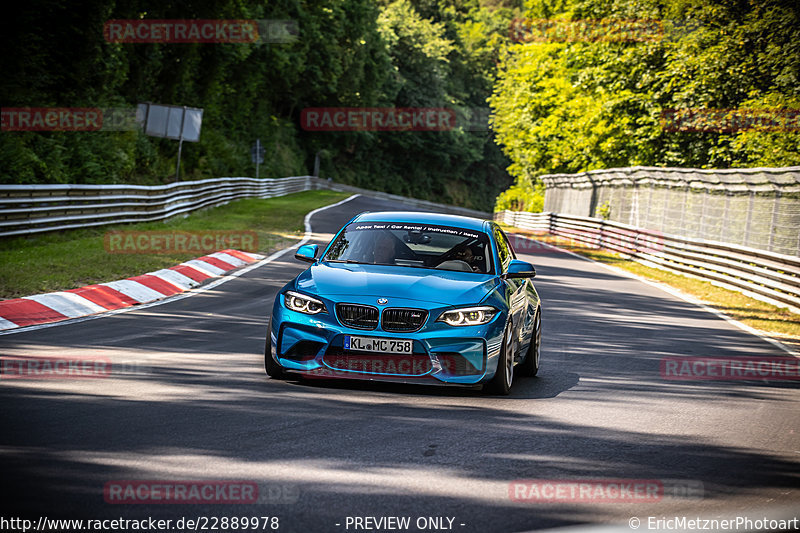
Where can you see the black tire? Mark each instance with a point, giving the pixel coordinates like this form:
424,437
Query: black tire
530,366
504,377
274,370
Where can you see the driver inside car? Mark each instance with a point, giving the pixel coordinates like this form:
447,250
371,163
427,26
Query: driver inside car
384,251
467,255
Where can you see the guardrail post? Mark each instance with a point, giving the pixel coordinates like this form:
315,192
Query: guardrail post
774,225
602,233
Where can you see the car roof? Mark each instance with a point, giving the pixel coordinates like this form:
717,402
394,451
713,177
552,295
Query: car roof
417,217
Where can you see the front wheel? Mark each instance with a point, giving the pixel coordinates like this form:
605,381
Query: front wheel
504,376
530,366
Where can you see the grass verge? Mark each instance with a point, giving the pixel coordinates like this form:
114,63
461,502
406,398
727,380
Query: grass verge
66,260
773,321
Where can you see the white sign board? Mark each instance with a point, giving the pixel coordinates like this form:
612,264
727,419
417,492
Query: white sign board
192,120
173,122
156,121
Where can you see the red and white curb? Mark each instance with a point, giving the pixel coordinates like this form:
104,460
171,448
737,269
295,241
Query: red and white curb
93,299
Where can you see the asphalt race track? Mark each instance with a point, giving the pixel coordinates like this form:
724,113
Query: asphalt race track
191,402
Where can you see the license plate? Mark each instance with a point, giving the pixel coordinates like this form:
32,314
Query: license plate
378,345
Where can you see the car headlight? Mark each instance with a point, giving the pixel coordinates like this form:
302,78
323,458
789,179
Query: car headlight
468,316
303,304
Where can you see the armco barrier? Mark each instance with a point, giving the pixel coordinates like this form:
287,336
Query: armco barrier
767,276
29,209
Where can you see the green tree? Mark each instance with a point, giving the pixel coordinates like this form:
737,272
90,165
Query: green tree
570,105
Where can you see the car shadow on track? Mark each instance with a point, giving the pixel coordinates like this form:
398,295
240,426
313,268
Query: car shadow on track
547,385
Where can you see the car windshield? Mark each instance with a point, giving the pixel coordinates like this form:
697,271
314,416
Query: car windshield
413,245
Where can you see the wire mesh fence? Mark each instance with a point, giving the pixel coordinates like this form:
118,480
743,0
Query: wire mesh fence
757,208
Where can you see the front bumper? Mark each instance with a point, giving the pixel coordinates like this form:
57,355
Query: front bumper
313,345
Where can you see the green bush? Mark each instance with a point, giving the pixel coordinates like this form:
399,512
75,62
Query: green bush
522,196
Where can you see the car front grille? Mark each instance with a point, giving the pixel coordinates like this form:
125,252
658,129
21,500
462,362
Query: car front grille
403,320
357,316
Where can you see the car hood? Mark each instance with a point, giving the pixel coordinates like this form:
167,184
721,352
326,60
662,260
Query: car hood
330,280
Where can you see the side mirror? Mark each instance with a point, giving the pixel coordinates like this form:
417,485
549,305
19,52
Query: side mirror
519,269
307,253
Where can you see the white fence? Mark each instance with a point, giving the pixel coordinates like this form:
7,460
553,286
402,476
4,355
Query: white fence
768,276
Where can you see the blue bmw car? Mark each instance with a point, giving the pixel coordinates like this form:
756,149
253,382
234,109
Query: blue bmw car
413,298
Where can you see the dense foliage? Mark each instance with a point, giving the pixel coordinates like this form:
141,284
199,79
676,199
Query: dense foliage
566,104
348,53
560,102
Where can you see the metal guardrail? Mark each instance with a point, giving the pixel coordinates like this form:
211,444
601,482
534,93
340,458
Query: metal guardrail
31,209
767,276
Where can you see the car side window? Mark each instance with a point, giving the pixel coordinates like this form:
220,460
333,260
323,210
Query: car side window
503,248
508,244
